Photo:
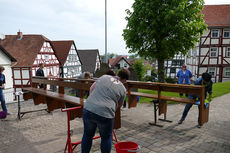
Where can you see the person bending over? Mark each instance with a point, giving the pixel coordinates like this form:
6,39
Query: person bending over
106,95
206,81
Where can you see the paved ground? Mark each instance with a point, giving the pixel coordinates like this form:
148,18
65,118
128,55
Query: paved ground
46,133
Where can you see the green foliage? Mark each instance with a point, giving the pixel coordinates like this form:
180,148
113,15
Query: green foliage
170,80
153,72
150,78
162,28
103,69
133,56
220,89
139,68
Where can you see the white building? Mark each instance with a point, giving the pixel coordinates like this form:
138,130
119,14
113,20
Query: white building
174,65
119,62
212,53
7,61
70,63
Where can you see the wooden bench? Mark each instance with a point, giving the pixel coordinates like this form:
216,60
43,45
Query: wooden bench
162,99
57,100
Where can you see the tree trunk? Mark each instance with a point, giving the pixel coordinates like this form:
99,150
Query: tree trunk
161,70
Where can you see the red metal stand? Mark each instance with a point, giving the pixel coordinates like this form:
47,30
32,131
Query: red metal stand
72,145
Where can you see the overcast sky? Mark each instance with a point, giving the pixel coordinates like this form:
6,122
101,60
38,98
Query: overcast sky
80,20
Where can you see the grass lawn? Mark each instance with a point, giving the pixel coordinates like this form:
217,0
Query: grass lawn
218,89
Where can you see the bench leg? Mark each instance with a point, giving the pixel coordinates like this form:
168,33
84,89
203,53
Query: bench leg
19,108
155,117
165,120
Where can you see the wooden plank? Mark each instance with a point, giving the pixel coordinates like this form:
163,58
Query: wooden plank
167,98
75,85
132,101
202,121
144,95
162,107
53,103
117,119
177,99
180,88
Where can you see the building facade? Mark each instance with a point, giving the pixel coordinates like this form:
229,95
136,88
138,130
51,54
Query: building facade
212,53
66,52
174,65
7,61
118,63
30,50
90,59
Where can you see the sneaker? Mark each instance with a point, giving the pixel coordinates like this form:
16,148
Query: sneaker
180,121
198,126
123,108
9,113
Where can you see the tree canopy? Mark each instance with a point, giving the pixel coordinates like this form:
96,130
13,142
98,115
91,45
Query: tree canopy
162,28
140,69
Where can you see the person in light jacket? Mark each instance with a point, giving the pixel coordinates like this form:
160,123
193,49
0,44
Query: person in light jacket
184,77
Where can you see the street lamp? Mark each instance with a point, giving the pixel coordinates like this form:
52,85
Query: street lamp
106,58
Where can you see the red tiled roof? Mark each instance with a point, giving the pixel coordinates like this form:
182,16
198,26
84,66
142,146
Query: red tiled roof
7,54
24,50
114,61
62,49
216,15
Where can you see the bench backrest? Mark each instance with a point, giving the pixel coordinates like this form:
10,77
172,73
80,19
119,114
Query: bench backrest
166,87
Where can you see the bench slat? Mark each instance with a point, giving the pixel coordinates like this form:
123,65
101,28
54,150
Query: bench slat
54,95
167,98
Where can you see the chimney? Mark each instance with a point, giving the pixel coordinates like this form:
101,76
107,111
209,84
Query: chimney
19,35
2,37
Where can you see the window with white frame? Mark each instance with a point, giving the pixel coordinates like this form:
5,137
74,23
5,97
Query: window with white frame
215,33
227,71
226,33
213,52
212,71
47,58
228,52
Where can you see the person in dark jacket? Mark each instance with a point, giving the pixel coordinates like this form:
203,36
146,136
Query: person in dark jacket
206,81
85,75
40,73
2,86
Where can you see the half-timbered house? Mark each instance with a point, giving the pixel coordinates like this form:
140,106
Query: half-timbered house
172,66
119,62
212,53
66,52
29,51
90,59
6,60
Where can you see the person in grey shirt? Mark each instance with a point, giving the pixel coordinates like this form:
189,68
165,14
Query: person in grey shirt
106,95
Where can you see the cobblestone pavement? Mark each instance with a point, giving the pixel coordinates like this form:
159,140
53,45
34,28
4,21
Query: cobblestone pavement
41,132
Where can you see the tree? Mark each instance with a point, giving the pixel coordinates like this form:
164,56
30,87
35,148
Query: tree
139,68
162,28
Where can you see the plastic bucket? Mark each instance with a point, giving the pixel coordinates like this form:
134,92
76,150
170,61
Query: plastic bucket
126,147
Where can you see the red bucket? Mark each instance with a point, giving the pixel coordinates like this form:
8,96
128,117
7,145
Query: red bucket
126,147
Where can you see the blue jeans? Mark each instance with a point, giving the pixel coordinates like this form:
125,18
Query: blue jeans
105,125
2,99
186,110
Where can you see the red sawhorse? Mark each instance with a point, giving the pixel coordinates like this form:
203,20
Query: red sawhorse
72,145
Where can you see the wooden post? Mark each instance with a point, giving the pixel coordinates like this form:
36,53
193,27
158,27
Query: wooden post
202,98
